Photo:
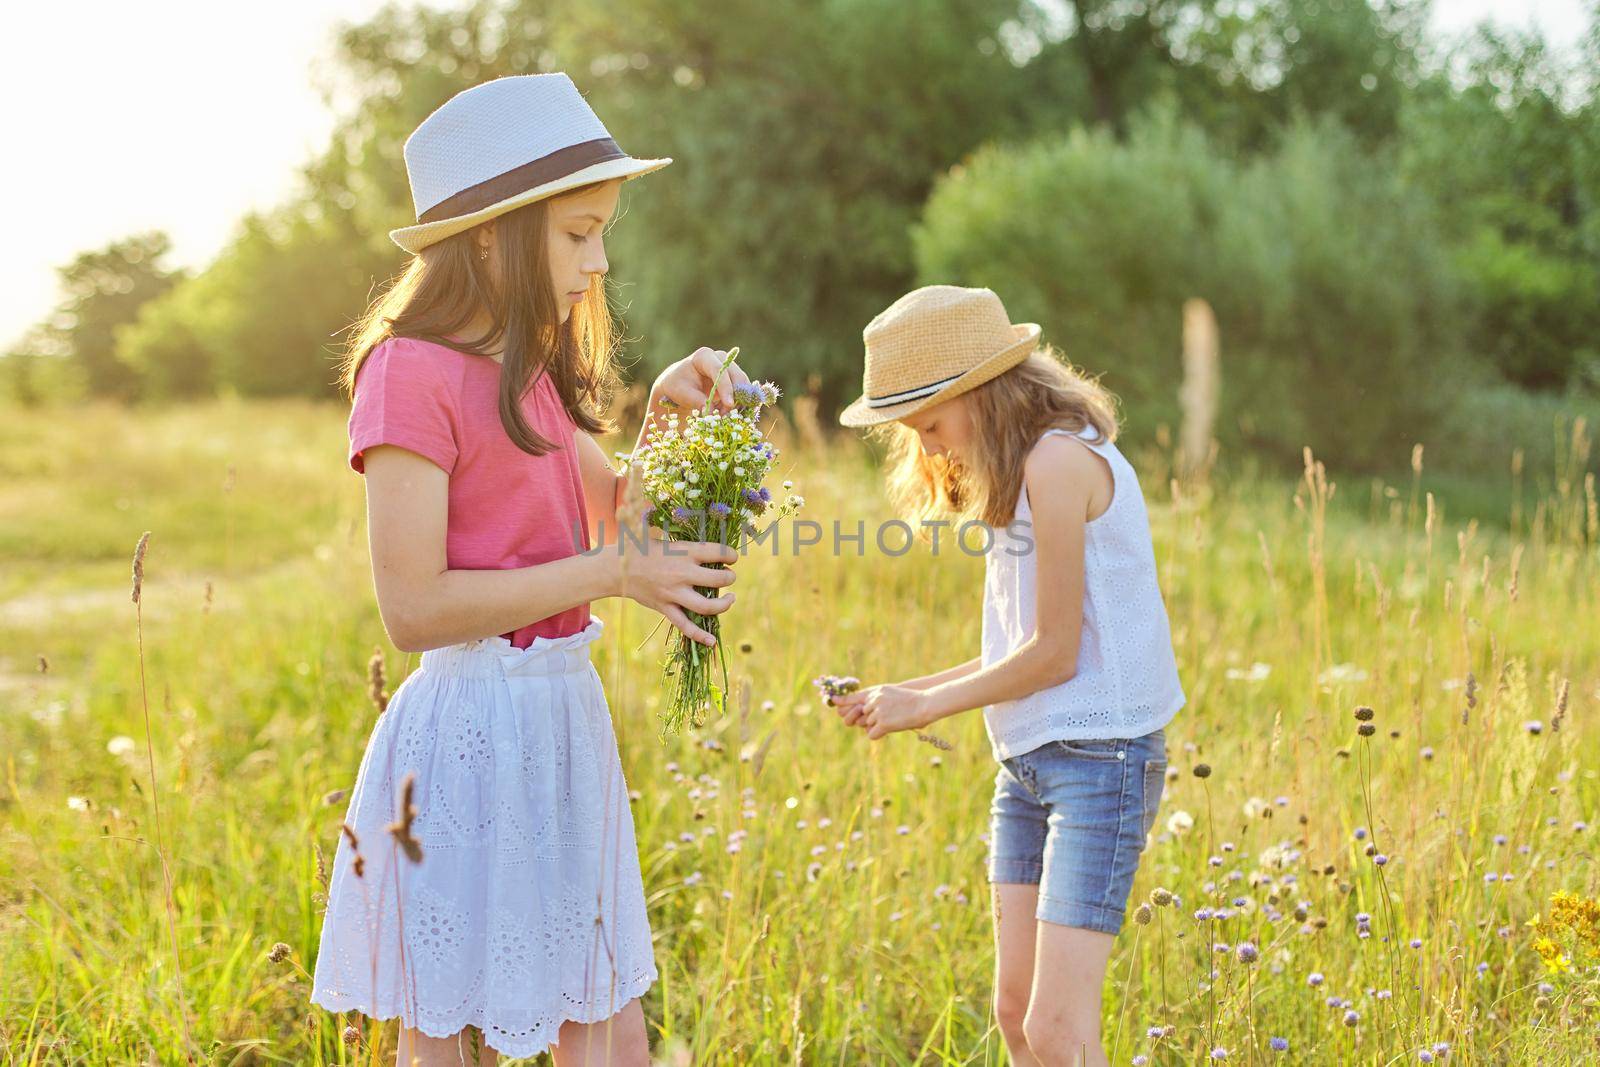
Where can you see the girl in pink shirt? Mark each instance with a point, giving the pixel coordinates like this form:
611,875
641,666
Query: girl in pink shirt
486,888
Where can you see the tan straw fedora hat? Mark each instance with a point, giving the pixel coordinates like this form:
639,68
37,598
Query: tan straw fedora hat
932,344
503,144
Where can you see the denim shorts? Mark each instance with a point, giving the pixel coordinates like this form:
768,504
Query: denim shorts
1072,817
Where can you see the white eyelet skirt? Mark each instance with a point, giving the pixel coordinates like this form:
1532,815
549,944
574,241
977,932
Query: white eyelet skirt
527,908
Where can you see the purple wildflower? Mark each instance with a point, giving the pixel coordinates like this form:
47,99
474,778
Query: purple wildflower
749,397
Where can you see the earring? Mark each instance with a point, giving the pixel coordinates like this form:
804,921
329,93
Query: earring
483,253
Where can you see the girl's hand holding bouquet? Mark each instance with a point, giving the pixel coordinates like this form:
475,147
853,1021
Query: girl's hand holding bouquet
700,477
706,374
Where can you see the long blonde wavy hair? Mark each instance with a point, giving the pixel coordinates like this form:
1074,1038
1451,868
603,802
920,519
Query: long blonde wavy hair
1008,413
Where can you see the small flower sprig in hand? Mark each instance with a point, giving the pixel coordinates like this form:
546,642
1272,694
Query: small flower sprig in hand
874,714
702,476
834,685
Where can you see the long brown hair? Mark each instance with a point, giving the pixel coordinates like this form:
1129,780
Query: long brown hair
445,285
1008,413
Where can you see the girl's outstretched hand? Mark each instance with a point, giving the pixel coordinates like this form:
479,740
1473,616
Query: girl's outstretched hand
884,709
688,382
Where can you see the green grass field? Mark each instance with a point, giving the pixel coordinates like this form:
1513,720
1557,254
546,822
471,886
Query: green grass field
852,924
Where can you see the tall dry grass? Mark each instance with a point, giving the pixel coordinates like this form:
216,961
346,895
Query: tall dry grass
817,897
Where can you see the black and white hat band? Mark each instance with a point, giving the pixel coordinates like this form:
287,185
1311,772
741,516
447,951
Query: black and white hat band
910,394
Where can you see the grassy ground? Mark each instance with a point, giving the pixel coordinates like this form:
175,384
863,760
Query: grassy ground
851,925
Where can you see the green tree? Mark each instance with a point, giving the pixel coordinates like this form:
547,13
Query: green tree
1506,139
266,316
806,138
1329,279
103,291
263,319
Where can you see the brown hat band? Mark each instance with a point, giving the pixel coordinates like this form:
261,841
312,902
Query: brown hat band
548,168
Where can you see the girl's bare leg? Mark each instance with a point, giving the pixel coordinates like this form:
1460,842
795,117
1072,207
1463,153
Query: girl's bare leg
1014,936
417,1049
619,1041
1063,1021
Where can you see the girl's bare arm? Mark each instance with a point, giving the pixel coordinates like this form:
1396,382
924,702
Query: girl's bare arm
425,604
928,681
1060,475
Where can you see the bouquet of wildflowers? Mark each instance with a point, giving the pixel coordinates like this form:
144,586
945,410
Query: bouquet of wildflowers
702,476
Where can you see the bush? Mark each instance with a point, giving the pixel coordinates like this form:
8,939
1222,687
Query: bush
1335,304
1493,420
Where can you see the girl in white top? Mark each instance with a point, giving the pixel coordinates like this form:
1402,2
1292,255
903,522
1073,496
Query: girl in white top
1076,677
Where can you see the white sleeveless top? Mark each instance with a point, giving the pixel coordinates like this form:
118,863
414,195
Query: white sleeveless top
1126,684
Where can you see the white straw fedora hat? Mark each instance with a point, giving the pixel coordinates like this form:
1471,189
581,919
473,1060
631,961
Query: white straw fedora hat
932,344
502,144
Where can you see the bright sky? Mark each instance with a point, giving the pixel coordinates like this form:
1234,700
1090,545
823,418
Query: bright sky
184,114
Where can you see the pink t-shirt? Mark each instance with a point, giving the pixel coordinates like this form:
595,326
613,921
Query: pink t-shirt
507,508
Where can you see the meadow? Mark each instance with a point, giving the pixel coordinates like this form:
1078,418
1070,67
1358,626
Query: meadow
1323,885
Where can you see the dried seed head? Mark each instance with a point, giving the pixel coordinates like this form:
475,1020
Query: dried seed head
278,953
1143,914
358,864
375,693
1366,729
937,742
352,1035
1161,897
333,797
1202,770
1363,714
400,829
138,566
